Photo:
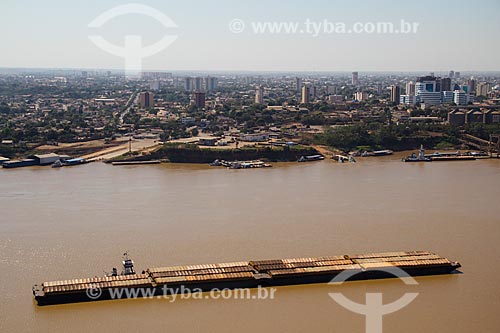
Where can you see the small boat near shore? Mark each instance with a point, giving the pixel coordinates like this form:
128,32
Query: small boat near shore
343,159
385,152
257,164
70,162
311,158
418,158
75,161
440,157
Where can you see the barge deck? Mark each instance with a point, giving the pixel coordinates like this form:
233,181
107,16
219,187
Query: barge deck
245,274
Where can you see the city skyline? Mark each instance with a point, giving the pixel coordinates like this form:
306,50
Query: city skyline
55,35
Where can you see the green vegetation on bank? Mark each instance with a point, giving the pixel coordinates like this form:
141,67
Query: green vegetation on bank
399,137
187,153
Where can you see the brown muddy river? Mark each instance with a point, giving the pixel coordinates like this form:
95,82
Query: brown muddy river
76,222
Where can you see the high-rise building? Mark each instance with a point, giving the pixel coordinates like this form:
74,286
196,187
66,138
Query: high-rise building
298,84
483,89
355,79
446,84
448,97
306,95
408,99
259,95
429,82
198,84
460,97
313,92
199,99
457,75
154,85
361,96
146,99
379,88
471,84
451,74
210,83
395,94
428,90
188,84
410,88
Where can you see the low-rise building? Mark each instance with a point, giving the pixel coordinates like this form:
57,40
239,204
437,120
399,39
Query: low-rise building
456,117
256,137
461,117
408,99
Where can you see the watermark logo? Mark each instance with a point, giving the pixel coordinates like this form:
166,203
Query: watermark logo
374,309
93,292
237,26
316,28
133,51
171,294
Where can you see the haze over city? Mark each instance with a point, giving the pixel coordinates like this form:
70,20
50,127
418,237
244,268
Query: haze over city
451,34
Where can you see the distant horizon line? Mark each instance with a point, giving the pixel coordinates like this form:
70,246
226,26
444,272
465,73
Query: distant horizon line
360,71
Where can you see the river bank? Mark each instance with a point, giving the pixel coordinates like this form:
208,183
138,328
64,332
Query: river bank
187,153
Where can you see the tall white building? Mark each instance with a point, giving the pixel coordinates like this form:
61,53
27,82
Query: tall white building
448,97
426,92
408,99
410,88
306,95
361,96
461,97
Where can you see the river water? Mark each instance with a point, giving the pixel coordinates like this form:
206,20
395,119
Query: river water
76,222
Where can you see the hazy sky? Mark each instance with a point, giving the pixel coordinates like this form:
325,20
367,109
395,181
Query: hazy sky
459,35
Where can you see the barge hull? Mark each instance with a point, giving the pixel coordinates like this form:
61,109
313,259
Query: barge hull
164,281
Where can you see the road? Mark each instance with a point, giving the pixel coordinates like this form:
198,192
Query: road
136,145
134,99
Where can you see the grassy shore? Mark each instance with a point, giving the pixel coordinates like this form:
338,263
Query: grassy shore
188,153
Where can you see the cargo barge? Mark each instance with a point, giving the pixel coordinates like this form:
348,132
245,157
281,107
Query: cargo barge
246,274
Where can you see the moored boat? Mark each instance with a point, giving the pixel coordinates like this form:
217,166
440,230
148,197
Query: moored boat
311,158
418,158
